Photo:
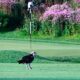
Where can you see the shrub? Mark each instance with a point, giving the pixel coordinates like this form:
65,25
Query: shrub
46,27
59,14
13,20
16,18
3,21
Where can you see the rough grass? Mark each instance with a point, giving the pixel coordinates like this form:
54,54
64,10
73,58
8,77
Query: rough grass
10,56
21,35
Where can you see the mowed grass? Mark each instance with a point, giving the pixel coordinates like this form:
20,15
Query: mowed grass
50,64
11,56
12,50
42,48
40,71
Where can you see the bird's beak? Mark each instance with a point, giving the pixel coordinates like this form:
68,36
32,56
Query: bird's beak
35,54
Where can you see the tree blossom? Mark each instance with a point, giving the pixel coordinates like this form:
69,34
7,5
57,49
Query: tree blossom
78,1
77,15
7,1
57,11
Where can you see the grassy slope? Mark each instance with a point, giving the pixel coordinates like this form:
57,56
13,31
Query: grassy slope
12,50
42,48
10,56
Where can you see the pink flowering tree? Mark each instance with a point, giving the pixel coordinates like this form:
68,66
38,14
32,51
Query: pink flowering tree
6,4
60,13
7,1
56,11
78,1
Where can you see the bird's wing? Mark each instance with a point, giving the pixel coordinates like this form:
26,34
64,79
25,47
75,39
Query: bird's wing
26,57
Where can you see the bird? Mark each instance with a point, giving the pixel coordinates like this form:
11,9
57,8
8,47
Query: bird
28,59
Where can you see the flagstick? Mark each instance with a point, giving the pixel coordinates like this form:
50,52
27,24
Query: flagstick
30,30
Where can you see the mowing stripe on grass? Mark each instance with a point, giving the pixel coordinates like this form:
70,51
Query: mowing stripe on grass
60,71
43,49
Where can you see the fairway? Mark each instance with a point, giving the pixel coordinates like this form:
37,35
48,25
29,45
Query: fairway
42,48
61,71
41,71
39,39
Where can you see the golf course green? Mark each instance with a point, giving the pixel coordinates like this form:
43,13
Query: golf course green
40,70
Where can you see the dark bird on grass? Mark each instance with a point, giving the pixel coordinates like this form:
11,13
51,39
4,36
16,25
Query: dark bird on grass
28,59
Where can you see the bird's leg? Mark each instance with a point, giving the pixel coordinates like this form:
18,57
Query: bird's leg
30,66
27,67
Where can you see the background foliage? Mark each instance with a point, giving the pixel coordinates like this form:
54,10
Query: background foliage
60,19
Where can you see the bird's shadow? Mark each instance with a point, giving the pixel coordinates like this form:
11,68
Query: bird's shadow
69,59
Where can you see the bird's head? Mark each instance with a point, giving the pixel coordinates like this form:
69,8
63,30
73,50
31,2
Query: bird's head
33,53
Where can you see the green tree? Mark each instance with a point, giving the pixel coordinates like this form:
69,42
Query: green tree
16,18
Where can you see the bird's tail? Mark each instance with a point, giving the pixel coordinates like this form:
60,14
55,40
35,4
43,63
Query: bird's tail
20,61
